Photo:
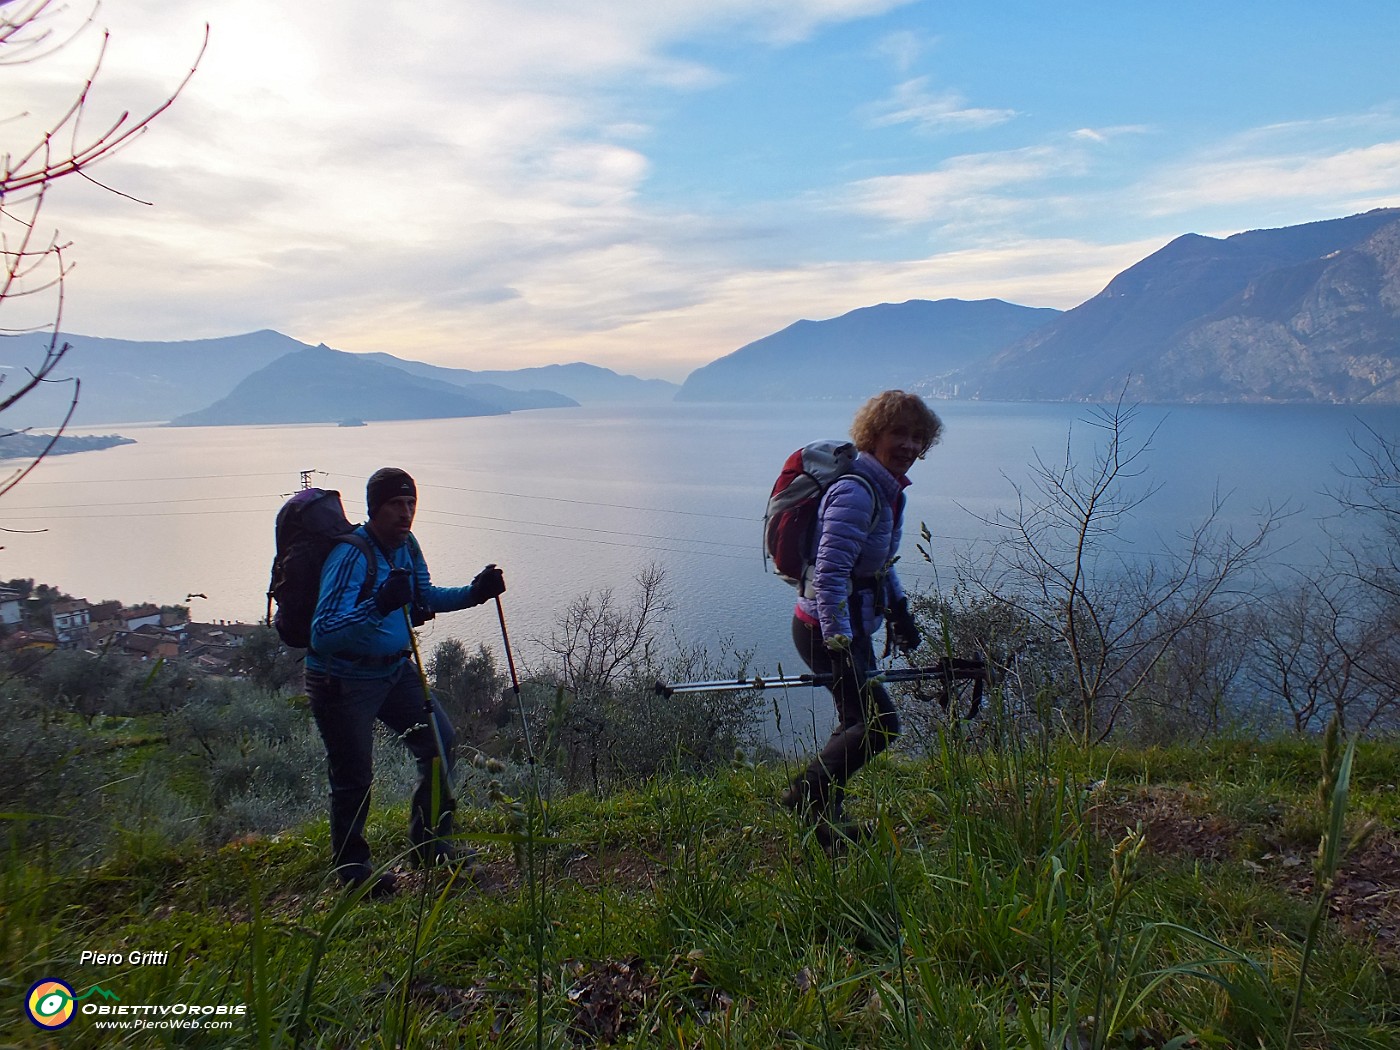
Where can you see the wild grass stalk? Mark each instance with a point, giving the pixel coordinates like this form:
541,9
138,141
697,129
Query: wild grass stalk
1334,791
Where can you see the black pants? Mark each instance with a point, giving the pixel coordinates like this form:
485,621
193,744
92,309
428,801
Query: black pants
868,721
345,710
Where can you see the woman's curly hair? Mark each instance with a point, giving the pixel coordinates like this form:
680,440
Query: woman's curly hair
895,408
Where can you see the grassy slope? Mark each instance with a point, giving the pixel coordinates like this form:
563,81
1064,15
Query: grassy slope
1003,902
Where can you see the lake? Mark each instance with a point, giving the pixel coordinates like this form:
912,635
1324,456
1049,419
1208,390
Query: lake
574,500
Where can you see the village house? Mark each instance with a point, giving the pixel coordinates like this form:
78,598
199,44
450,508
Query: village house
107,612
168,639
139,615
11,607
222,634
105,634
150,646
211,658
22,641
70,622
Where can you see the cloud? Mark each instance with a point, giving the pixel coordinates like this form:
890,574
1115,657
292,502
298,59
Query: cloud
903,48
1102,136
737,307
959,186
474,184
1344,177
912,103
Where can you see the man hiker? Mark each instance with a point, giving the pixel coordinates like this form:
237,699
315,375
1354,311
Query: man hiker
360,667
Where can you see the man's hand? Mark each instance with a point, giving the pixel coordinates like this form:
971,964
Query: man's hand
489,583
394,593
906,631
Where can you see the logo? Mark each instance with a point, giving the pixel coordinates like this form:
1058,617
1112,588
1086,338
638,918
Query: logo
50,1003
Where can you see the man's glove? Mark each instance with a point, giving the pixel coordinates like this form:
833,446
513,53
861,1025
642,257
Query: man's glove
906,631
489,583
395,592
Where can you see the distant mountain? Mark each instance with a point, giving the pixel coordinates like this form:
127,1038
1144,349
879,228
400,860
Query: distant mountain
582,382
864,351
26,446
127,381
124,381
321,385
1302,313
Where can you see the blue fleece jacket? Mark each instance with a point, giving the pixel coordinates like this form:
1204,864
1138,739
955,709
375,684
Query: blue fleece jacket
344,627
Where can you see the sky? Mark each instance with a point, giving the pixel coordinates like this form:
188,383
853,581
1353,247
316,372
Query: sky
648,185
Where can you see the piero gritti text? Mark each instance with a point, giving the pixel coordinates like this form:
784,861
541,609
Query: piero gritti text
132,958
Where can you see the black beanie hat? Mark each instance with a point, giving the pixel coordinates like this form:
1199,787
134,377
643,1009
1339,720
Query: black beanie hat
387,483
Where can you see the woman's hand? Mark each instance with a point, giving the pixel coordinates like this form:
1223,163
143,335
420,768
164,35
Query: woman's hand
902,623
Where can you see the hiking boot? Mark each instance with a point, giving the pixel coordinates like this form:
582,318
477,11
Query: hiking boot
461,859
851,830
832,840
384,887
806,795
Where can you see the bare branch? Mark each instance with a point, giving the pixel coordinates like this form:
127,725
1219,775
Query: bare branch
30,263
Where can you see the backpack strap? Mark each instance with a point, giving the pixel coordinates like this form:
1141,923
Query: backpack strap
368,547
856,581
365,547
875,499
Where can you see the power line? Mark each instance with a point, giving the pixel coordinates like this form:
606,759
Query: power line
590,503
602,543
445,488
137,481
151,502
21,516
585,528
752,521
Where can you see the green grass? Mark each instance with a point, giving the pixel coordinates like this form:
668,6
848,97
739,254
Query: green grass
997,904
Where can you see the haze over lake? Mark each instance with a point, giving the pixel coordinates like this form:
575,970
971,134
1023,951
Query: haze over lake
573,500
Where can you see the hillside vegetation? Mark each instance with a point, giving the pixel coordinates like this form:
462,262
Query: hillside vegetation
1172,824
1012,894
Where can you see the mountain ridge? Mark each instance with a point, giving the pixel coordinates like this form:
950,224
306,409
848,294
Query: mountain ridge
131,381
863,350
577,379
1306,313
321,385
1263,315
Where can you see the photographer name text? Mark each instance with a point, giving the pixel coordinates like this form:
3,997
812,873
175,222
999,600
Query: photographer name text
136,958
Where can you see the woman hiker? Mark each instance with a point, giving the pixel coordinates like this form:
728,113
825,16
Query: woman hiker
851,589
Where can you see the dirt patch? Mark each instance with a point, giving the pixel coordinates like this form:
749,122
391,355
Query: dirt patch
1365,896
1170,823
626,869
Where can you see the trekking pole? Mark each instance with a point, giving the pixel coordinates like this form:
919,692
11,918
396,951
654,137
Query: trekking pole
947,669
515,681
428,712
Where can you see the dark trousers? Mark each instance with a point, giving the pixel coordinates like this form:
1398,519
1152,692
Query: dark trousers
345,710
868,722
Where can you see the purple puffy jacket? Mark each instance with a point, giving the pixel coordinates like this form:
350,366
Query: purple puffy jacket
849,546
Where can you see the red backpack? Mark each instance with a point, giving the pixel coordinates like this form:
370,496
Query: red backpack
790,523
